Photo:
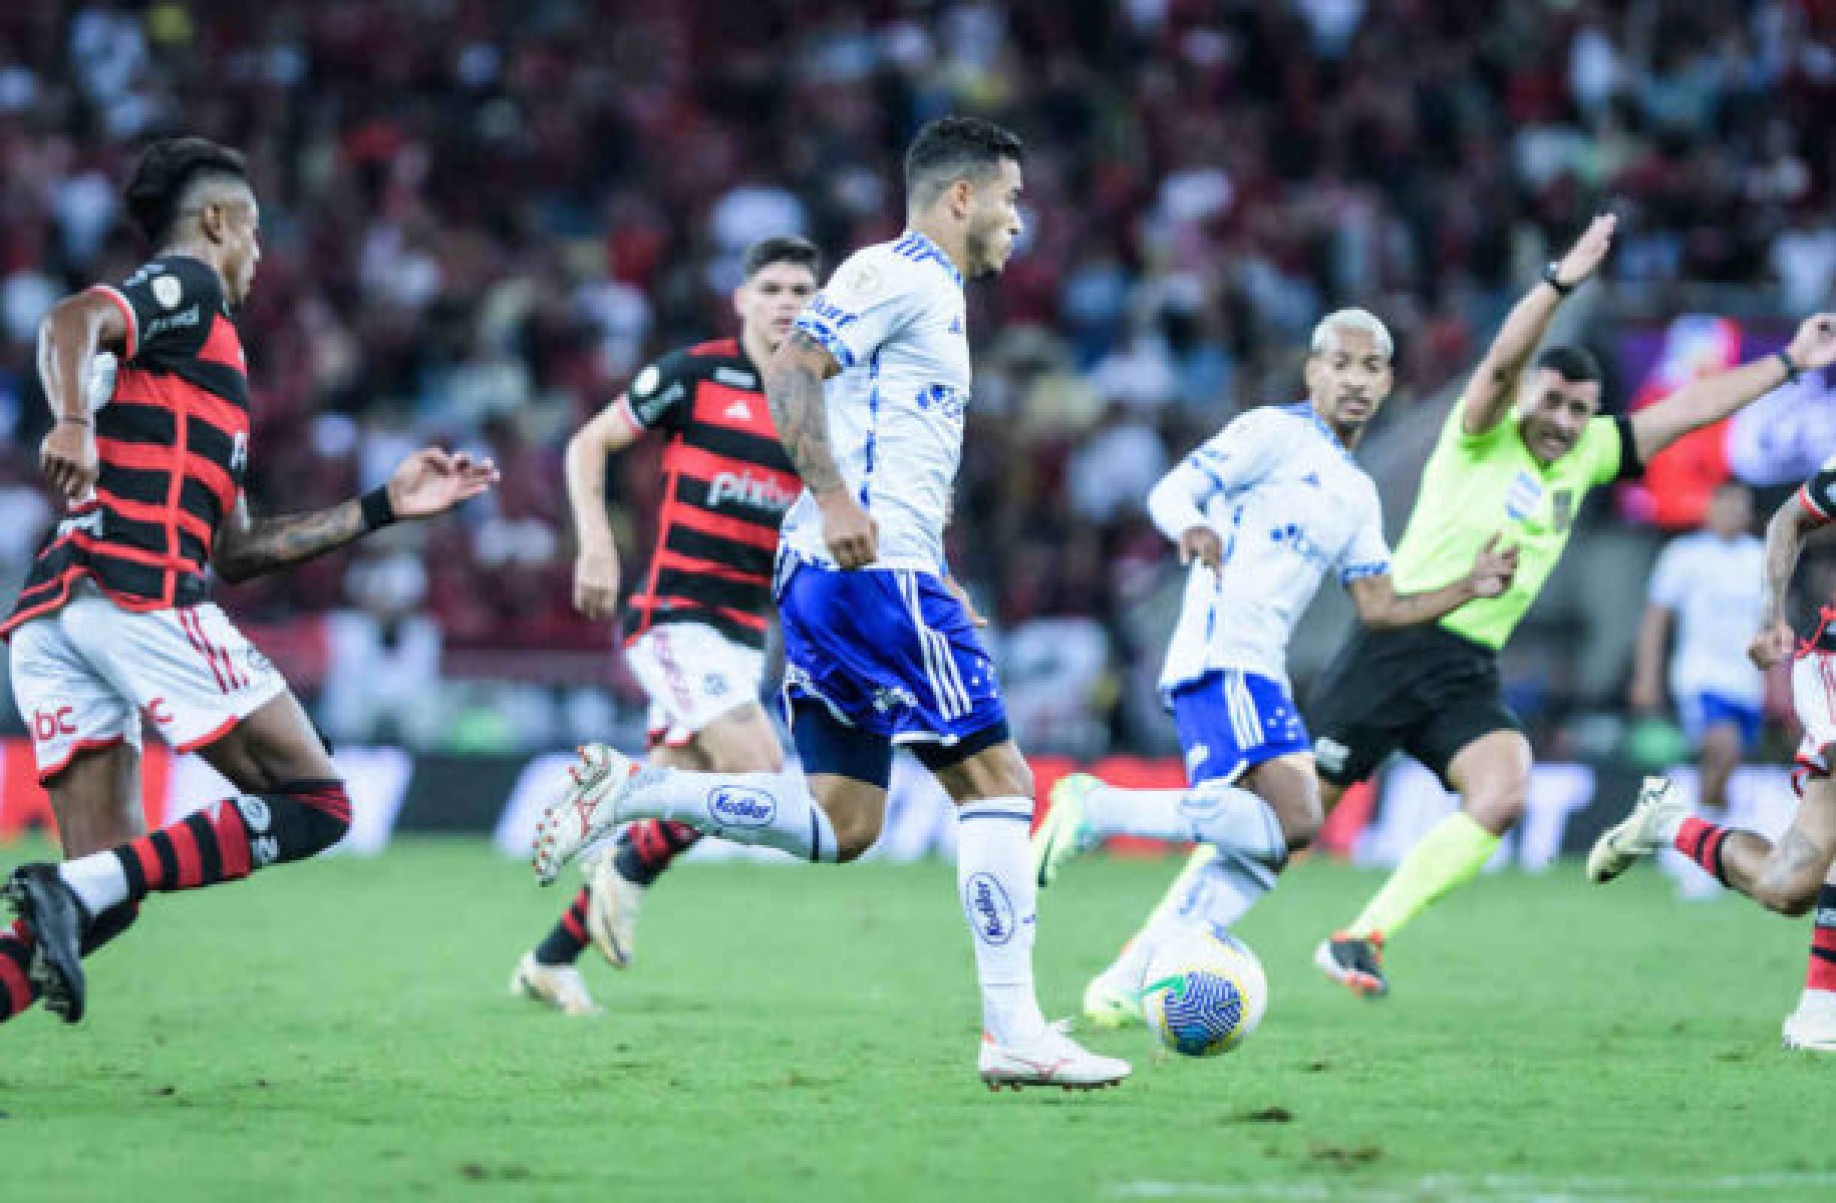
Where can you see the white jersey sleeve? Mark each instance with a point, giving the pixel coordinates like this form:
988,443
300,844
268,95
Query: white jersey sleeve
1368,553
1229,462
865,304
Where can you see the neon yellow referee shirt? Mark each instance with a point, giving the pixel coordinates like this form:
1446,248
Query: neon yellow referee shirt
1477,485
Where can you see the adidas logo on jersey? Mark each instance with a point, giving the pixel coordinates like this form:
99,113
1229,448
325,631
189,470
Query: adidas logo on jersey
743,488
739,411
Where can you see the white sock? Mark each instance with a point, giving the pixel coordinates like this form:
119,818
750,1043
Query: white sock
1228,817
1130,964
1216,896
994,877
773,809
97,879
1149,814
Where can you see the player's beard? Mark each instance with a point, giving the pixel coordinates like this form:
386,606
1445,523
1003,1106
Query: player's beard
982,263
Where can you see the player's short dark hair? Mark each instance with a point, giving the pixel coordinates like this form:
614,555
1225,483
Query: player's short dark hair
168,167
1574,364
785,248
954,148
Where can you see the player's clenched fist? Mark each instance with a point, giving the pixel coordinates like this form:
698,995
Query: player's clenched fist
1201,543
596,584
68,459
849,531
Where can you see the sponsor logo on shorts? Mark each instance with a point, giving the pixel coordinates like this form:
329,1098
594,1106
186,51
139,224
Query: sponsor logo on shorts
1331,754
893,697
159,712
738,806
47,725
990,912
1826,916
715,685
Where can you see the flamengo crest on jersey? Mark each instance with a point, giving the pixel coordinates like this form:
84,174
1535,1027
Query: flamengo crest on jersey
1288,503
893,319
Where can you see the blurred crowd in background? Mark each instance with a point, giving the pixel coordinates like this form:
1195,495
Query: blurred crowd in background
481,218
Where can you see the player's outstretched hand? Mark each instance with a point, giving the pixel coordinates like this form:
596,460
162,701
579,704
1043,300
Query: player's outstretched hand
1201,543
1493,570
432,481
1590,250
68,459
1773,644
1814,345
849,531
596,584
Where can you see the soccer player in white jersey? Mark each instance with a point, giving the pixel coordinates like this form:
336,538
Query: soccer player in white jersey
880,647
1709,586
1261,512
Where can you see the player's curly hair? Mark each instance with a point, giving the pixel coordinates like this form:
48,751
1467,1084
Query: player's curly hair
954,148
166,170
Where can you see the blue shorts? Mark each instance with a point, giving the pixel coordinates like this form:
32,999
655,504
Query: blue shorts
887,651
1700,711
1229,722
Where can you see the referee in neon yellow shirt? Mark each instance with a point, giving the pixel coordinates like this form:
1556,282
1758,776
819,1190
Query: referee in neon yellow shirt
1434,690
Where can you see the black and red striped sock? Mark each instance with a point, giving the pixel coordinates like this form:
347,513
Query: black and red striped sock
647,847
1702,842
231,838
16,992
1821,974
563,945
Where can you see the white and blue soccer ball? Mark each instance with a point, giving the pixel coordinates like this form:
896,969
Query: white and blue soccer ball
1204,992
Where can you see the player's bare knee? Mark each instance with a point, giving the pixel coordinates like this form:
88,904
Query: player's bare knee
855,833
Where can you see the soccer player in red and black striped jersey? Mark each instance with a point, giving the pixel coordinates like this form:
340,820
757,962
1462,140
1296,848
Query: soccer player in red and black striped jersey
1793,875
699,617
114,626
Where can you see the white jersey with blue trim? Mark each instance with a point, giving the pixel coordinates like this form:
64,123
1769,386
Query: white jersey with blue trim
1288,503
893,318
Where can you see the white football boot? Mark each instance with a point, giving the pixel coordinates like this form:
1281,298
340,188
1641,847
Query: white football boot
612,912
1812,1026
1049,1059
586,811
557,986
1113,997
1646,829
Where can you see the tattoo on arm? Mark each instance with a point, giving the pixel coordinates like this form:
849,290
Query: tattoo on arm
1784,538
250,547
793,388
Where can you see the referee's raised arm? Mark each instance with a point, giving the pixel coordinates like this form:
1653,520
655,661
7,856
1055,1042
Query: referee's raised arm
1493,387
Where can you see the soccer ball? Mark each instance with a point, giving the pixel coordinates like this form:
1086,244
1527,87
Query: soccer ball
1204,992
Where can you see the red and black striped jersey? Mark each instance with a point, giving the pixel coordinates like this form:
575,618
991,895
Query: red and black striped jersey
172,442
727,484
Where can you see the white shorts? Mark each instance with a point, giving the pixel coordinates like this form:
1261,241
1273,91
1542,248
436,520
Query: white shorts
85,674
1813,692
693,675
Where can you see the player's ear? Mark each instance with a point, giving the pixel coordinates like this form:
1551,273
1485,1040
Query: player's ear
739,302
213,219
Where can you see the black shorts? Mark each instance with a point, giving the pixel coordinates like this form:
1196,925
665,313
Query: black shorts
1423,689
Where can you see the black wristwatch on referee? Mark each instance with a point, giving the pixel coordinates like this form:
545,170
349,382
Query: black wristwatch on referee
1552,276
1792,370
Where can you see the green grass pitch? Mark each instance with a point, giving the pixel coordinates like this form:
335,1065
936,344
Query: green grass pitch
341,1031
